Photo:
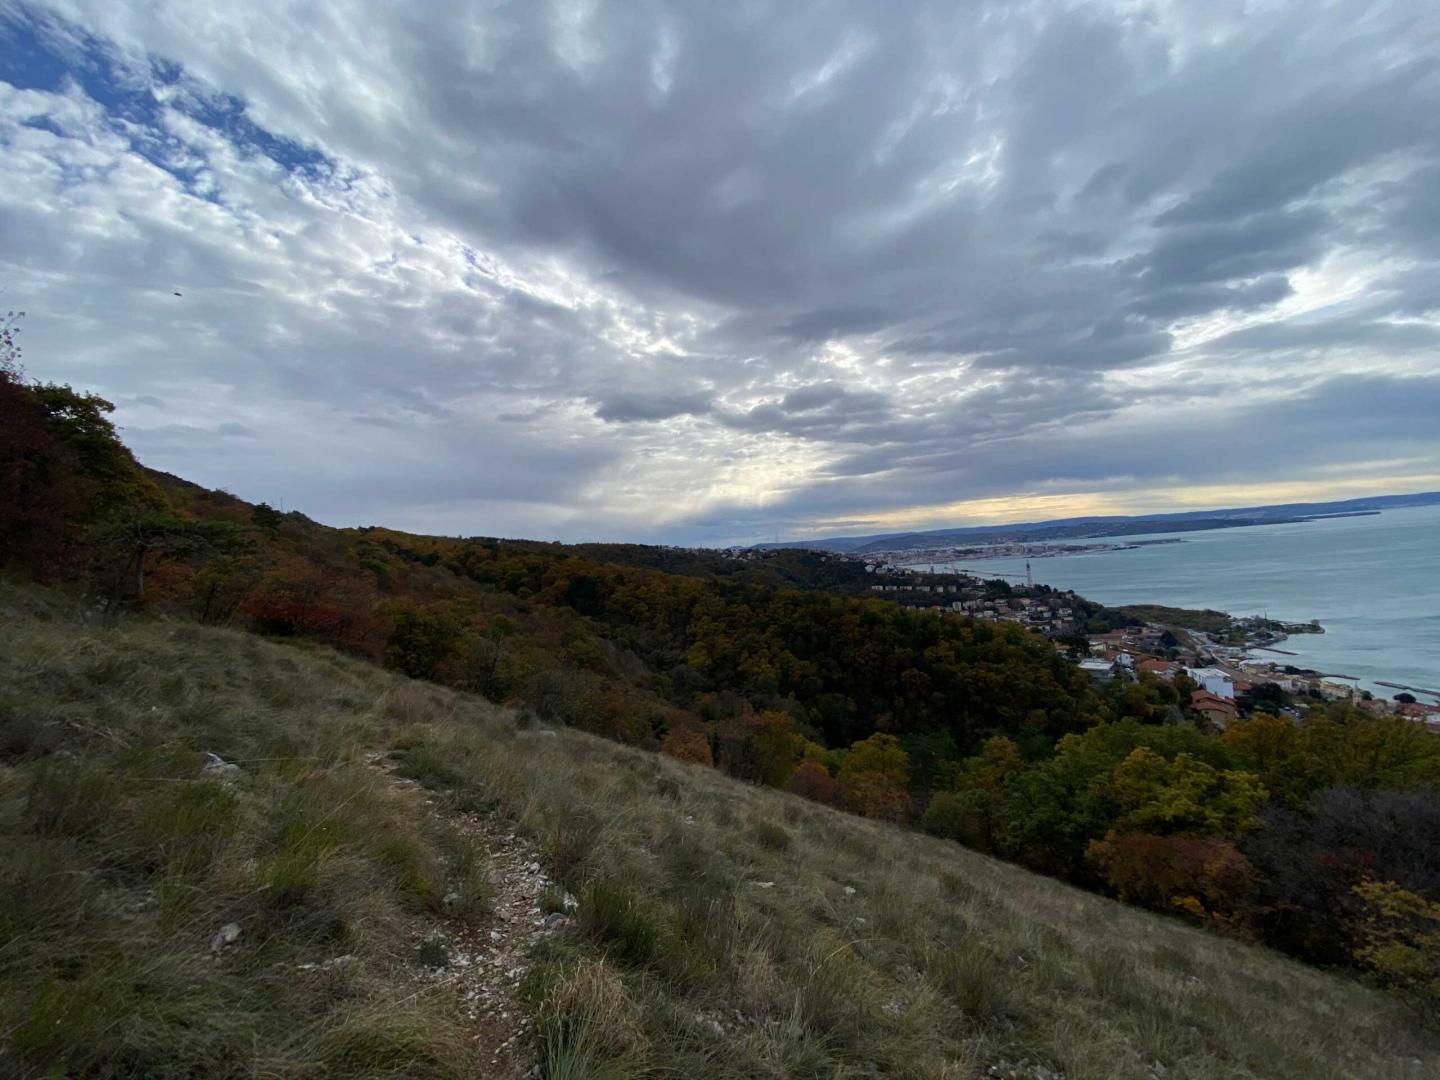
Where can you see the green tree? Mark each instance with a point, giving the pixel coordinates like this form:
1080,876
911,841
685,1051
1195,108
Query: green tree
776,745
972,812
763,747
1343,747
1182,795
267,518
930,753
1268,697
94,454
486,670
1053,809
422,640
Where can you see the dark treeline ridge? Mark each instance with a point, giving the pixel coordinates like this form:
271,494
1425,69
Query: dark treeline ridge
1315,835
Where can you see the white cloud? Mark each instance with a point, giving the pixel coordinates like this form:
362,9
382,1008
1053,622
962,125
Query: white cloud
688,271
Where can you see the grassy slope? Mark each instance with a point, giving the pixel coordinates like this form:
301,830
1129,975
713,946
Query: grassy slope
118,862
116,866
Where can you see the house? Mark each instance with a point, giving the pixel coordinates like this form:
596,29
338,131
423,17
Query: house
1165,669
1334,690
1099,670
1218,710
1214,681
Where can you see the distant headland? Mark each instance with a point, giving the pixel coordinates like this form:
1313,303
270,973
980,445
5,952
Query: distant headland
1087,527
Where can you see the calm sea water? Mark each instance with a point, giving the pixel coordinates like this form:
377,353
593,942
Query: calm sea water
1373,582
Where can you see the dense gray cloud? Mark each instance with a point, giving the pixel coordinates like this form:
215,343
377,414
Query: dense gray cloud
700,271
627,408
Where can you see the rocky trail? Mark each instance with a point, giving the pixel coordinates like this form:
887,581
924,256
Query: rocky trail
483,961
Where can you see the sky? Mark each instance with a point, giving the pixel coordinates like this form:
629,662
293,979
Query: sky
713,273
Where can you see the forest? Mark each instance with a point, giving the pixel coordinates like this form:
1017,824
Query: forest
1314,836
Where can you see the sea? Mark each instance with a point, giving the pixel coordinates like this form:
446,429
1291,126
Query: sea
1373,582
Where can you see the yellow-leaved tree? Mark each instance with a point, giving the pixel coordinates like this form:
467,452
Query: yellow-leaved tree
873,778
1399,940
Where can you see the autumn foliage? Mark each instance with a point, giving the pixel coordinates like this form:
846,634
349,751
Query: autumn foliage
812,780
687,743
874,775
1400,940
1205,877
1283,828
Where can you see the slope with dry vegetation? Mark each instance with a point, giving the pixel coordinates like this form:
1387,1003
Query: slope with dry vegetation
977,731
722,930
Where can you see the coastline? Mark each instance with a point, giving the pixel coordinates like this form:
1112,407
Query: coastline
1373,581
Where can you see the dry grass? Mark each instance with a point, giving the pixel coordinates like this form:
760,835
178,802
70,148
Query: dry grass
588,1025
120,859
880,951
723,930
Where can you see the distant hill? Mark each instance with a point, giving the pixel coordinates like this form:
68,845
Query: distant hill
1115,525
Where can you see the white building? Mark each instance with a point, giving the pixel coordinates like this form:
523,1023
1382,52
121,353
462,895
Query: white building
1214,680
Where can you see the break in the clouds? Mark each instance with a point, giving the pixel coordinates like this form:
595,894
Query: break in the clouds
704,272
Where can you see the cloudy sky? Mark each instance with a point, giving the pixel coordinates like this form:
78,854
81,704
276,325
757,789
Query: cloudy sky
707,272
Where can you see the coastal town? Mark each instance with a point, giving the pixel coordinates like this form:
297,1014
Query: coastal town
1212,656
1223,666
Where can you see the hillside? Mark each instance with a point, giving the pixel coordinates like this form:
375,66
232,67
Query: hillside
722,930
764,667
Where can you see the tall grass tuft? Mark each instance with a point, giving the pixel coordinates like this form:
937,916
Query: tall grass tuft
588,1027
